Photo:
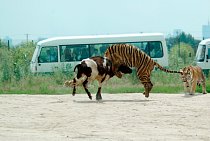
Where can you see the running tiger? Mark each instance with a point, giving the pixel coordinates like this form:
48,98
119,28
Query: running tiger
131,56
192,75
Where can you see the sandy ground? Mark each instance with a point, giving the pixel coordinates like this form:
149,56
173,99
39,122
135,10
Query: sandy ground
119,117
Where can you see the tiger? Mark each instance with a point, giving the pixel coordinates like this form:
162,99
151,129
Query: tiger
132,56
192,75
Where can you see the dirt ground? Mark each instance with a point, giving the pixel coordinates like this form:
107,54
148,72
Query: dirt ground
119,117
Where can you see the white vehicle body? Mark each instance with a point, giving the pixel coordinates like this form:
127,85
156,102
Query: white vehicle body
80,47
203,54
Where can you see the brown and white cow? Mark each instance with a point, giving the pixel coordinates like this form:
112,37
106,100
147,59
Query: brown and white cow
94,68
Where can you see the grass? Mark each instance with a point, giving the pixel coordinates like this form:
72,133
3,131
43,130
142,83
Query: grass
53,84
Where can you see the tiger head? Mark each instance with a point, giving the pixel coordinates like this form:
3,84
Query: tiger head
185,74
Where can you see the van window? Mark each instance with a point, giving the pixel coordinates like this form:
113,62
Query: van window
73,52
48,54
66,54
152,48
69,53
98,49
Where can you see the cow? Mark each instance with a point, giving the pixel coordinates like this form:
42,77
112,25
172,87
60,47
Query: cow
94,68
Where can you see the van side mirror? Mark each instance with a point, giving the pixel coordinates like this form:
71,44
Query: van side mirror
207,57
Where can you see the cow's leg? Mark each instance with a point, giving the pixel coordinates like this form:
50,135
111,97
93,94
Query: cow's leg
98,95
74,87
75,82
100,83
86,90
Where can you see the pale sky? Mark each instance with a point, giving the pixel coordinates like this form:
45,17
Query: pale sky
50,18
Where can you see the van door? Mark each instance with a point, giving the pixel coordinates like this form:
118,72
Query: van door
48,59
208,57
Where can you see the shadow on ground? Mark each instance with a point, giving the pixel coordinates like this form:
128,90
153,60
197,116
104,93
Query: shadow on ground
112,101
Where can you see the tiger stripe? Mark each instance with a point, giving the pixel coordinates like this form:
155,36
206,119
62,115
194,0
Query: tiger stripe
132,56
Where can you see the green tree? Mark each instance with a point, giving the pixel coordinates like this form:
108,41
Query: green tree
22,55
15,62
2,44
181,55
5,65
184,38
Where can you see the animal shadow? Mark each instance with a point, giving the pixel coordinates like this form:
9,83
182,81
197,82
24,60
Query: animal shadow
112,101
193,95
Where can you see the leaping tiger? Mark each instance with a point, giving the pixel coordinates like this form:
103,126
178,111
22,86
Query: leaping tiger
132,56
192,75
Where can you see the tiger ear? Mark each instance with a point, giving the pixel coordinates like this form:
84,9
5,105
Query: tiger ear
181,71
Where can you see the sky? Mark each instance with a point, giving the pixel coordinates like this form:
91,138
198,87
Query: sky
51,18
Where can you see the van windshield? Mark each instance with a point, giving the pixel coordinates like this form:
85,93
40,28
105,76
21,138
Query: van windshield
200,54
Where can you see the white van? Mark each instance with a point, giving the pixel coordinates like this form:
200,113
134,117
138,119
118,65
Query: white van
65,52
203,55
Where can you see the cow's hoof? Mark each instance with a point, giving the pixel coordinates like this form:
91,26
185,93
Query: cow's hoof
98,97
